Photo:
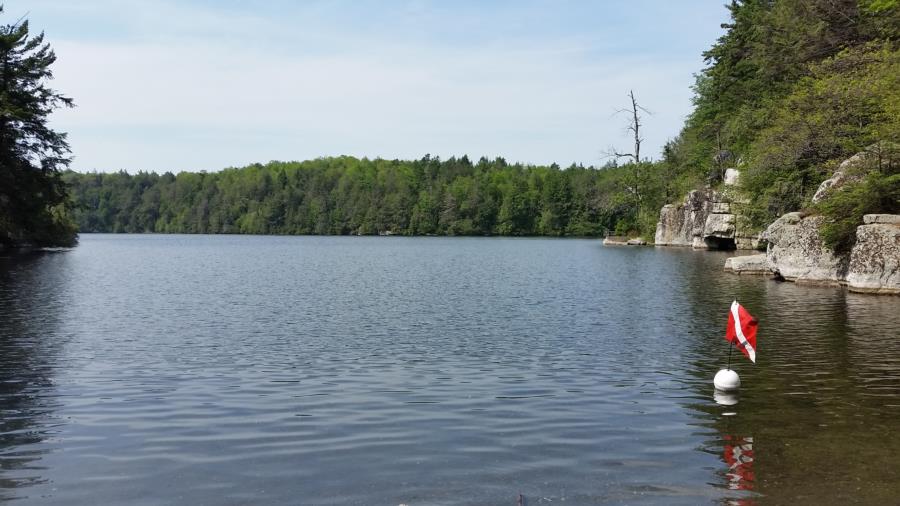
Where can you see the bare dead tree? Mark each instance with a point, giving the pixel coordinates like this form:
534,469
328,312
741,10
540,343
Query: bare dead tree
634,126
636,173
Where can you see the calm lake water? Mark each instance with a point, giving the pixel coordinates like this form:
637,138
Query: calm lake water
153,369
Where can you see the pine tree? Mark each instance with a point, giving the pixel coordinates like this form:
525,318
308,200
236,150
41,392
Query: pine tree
33,197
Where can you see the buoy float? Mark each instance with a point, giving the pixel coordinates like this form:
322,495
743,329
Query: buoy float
741,332
727,380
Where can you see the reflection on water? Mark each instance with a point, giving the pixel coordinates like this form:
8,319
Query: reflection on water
236,370
725,398
738,456
29,311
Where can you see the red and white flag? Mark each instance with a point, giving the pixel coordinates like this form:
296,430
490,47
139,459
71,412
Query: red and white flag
741,331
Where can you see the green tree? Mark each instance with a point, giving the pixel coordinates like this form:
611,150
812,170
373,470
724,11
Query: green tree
33,196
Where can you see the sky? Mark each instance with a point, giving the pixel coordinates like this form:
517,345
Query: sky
206,84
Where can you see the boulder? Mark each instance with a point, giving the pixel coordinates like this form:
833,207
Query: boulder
720,226
835,181
796,252
732,177
875,258
748,264
846,173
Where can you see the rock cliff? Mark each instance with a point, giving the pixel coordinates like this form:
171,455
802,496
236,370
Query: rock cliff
710,219
682,225
705,220
796,253
875,258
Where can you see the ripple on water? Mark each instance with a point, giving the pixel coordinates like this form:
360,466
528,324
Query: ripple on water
235,370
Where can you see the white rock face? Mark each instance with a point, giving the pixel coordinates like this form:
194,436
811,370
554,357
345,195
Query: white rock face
875,258
720,226
843,175
886,219
703,221
678,225
835,181
748,264
732,177
797,253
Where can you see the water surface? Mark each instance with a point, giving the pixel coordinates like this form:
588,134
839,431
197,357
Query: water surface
443,371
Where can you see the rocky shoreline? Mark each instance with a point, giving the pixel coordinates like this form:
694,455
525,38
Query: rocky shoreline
794,251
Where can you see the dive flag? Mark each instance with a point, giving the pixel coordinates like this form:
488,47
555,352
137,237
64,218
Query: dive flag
741,331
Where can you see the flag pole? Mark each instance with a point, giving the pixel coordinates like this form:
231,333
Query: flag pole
730,344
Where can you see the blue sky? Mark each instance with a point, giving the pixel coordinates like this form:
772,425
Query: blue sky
202,85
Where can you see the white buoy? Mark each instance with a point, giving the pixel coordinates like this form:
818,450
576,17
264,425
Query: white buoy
727,380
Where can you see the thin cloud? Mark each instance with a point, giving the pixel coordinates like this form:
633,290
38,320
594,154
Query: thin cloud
210,98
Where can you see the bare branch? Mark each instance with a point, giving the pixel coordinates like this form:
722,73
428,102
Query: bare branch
634,126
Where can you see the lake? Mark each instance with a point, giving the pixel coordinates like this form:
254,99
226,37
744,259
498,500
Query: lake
160,369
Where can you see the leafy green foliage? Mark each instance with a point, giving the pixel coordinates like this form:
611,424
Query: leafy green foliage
32,196
847,103
873,187
793,88
345,195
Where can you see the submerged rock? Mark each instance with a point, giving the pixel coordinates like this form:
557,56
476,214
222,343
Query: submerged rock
748,264
615,240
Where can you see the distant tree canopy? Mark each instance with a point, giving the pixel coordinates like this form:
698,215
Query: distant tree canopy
346,195
33,198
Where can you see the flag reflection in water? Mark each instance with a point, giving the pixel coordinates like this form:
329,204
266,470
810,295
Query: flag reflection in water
738,455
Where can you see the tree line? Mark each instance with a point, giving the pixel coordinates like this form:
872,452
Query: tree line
345,195
792,88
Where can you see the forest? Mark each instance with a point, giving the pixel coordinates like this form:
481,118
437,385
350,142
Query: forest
791,89
346,195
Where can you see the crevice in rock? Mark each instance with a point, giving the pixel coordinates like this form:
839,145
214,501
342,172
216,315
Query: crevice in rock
720,243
